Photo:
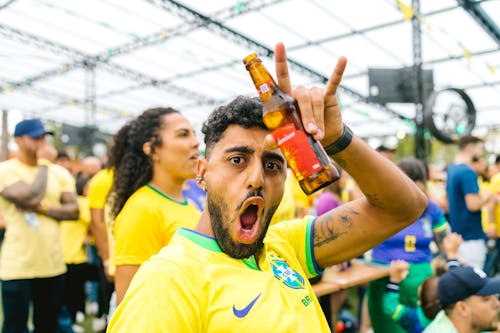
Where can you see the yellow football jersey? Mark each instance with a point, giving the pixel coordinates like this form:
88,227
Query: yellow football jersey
192,286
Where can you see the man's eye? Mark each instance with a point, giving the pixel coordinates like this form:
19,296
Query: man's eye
236,160
273,166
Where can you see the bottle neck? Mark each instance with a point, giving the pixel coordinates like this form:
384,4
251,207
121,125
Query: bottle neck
263,81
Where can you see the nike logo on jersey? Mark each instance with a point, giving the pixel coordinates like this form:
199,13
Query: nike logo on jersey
243,312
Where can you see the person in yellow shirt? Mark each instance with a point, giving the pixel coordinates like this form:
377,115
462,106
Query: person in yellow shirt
236,273
101,230
153,155
491,214
100,218
491,223
33,200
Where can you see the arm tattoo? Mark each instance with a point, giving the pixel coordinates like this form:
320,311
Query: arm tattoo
327,233
345,217
68,210
374,200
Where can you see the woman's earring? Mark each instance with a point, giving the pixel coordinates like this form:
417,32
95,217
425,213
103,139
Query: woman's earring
199,179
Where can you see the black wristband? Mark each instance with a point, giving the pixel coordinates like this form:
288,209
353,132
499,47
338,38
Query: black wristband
341,143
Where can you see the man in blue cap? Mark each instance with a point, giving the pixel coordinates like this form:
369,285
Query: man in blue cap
33,199
469,300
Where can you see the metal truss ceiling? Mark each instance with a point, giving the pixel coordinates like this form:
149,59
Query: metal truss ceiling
101,62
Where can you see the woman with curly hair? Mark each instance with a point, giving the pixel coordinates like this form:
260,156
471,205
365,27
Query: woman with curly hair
153,155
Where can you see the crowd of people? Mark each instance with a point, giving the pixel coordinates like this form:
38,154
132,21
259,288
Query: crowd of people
158,238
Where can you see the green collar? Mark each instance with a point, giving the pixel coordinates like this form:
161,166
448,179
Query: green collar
211,244
184,203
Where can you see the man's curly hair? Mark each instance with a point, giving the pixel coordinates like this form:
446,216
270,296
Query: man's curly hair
133,168
243,111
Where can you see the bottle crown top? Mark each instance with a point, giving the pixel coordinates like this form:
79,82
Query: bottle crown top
250,58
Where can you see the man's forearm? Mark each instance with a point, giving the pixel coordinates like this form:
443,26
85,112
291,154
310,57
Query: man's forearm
28,195
475,201
391,202
381,181
67,210
64,212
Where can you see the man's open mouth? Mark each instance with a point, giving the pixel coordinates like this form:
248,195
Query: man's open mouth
249,218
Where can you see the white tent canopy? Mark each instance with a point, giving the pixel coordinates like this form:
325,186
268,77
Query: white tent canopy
101,62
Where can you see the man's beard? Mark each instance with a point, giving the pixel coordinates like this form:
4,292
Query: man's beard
218,209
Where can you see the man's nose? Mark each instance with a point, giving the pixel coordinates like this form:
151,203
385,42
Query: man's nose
255,176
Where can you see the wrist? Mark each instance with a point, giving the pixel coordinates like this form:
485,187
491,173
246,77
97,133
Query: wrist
341,143
43,207
392,287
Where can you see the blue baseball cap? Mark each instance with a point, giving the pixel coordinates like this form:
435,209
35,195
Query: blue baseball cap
464,281
30,127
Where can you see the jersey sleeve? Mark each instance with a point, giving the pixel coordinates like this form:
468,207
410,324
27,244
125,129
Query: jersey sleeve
99,187
469,182
299,235
390,302
138,234
439,221
7,177
64,177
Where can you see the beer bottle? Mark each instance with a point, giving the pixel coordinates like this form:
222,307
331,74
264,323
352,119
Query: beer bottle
306,157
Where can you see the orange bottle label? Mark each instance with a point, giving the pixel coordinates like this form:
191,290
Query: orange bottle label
297,150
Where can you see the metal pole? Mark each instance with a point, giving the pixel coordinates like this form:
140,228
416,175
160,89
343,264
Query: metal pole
420,141
5,136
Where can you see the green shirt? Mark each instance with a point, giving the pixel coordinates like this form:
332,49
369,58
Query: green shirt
441,324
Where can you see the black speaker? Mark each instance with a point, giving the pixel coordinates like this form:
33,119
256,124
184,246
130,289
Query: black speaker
83,136
397,85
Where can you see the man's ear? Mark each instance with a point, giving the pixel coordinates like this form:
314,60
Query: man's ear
462,307
146,148
201,168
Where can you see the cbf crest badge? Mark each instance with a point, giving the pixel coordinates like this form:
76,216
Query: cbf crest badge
283,272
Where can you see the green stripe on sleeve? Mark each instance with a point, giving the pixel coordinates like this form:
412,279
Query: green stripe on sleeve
312,266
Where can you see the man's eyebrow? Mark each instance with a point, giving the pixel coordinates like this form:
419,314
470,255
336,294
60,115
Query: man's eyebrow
248,150
274,156
240,149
